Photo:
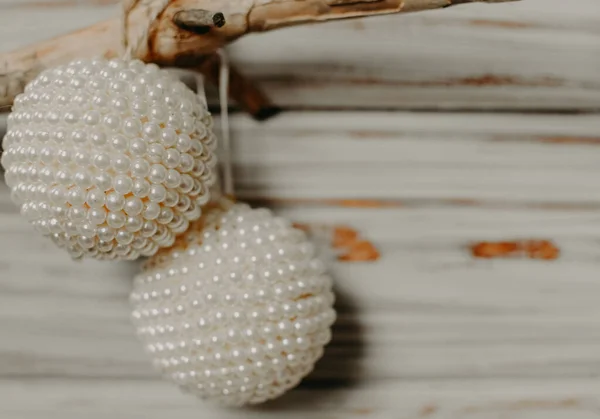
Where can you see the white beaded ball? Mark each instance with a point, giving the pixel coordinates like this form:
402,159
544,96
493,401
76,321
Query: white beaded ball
111,159
239,310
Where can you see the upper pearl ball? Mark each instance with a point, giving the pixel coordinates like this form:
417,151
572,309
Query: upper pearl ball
100,154
239,310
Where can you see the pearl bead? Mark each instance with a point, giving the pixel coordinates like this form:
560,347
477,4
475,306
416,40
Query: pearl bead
140,168
98,138
169,137
133,206
82,178
87,230
97,216
138,147
165,216
157,193
123,184
106,234
102,161
149,228
121,163
121,104
77,214
171,199
225,327
103,181
172,158
139,107
151,210
116,219
134,224
140,188
119,142
91,118
172,179
157,174
95,198
124,237
184,143
58,195
96,150
115,201
76,196
151,131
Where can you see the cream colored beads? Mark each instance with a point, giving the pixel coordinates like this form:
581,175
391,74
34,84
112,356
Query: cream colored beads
115,160
239,310
111,159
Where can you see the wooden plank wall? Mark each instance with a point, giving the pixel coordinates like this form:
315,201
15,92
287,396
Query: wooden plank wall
445,139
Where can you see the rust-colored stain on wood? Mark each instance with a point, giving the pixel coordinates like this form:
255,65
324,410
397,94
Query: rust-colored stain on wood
428,410
508,24
361,203
362,411
302,226
347,241
543,249
476,80
109,54
377,134
532,249
521,405
344,237
358,25
361,251
529,404
346,203
482,80
500,80
356,250
570,140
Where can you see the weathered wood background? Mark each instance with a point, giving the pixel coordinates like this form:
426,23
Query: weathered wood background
446,140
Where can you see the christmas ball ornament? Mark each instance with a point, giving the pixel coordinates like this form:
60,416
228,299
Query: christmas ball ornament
111,159
238,310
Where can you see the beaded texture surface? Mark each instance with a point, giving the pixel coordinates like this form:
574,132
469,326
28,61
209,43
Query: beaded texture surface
111,159
239,310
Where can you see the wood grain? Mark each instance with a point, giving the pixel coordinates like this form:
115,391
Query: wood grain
402,158
429,330
528,55
534,54
154,31
426,328
426,331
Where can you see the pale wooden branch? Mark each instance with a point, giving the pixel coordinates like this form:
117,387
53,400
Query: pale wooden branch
186,32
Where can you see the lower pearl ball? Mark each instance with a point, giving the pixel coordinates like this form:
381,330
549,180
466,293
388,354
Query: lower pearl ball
220,322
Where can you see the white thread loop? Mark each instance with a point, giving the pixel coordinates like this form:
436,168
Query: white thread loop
228,188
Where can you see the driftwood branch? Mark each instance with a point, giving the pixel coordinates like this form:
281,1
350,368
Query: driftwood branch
186,33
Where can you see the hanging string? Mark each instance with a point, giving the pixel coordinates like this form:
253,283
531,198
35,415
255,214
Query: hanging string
225,141
228,188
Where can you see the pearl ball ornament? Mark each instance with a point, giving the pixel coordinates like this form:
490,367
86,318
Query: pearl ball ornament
238,310
93,150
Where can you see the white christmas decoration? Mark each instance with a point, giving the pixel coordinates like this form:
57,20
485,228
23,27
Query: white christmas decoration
111,159
239,310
